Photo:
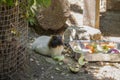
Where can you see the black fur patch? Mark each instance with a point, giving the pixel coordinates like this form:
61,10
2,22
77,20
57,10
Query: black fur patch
55,41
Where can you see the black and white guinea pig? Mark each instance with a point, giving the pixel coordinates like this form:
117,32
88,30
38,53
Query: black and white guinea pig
49,45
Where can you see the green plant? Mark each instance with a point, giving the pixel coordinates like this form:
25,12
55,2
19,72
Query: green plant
31,7
81,60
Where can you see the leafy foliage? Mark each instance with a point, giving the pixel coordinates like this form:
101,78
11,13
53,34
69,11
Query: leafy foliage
31,7
8,2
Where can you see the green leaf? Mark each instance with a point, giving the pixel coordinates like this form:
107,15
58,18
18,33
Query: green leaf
31,20
30,2
1,1
46,3
10,2
81,60
59,58
39,2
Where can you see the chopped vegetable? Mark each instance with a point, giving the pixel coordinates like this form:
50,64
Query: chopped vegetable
59,58
113,51
75,68
82,61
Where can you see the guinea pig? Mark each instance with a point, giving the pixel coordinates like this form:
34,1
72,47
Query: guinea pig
48,45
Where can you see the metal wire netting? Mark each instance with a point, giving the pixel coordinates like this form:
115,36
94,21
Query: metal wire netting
13,39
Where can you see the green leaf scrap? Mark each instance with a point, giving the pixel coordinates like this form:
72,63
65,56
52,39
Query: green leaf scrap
81,60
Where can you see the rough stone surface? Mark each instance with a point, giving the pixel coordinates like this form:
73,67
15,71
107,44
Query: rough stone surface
55,16
91,13
110,23
82,33
113,4
110,20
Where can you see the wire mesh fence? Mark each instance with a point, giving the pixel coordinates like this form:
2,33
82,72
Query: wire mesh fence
13,39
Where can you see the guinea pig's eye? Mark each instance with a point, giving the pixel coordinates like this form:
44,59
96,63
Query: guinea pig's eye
60,37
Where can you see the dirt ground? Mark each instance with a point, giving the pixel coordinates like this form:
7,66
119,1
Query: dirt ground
40,67
45,68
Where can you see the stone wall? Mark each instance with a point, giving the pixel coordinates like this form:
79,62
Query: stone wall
110,20
113,4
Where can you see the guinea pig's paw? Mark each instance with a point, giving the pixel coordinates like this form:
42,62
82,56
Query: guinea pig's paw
59,58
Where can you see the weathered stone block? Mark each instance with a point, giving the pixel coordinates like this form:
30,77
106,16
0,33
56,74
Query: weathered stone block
91,13
82,33
54,16
110,23
113,4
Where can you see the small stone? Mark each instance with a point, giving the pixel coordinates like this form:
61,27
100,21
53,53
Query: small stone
58,69
52,77
31,59
94,67
42,68
67,75
37,62
60,63
62,73
67,54
107,64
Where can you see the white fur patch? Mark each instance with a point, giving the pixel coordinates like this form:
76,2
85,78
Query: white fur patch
40,45
56,51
